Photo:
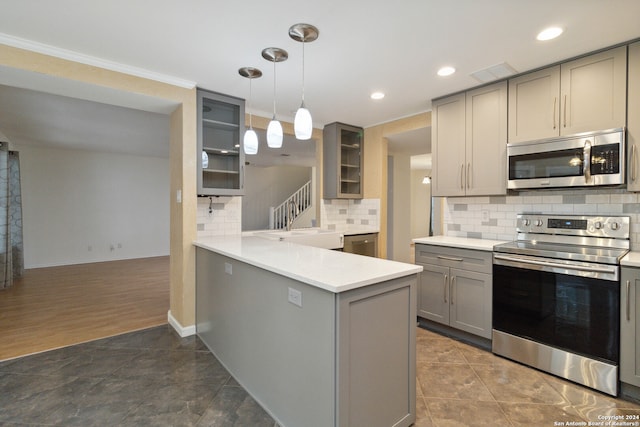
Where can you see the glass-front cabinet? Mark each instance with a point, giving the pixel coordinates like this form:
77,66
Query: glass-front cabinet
343,161
220,157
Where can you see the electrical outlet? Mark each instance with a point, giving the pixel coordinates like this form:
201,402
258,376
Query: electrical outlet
485,215
228,268
295,297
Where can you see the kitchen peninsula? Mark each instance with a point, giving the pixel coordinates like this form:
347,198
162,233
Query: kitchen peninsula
317,337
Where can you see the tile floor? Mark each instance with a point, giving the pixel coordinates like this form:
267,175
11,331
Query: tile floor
153,377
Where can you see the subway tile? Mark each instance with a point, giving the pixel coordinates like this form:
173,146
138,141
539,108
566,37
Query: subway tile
497,200
459,207
474,235
630,208
576,199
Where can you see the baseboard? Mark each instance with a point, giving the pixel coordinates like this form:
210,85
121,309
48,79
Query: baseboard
183,331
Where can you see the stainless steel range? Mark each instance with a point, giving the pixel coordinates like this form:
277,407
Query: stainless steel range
556,296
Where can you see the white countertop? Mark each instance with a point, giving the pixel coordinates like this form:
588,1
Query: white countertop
333,271
459,242
632,259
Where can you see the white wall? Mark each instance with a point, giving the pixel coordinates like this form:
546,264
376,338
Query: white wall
266,187
87,206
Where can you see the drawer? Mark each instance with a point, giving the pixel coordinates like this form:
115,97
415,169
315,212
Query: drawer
464,259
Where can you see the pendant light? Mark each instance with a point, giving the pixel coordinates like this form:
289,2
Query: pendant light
302,122
250,141
274,130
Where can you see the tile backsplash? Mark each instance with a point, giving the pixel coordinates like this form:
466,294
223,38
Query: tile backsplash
340,213
219,216
494,217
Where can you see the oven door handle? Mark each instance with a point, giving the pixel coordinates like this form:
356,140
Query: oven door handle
544,263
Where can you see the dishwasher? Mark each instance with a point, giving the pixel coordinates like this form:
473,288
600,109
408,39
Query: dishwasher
361,244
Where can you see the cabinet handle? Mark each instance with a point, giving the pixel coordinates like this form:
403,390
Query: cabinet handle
633,163
449,258
628,301
446,279
461,178
468,175
565,111
555,102
453,283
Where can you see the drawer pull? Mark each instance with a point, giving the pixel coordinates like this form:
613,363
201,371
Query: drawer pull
450,258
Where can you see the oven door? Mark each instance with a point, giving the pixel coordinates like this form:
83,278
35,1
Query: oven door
566,305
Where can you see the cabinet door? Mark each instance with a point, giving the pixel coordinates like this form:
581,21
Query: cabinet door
433,294
630,326
633,118
486,140
448,140
470,302
593,92
534,105
220,157
342,161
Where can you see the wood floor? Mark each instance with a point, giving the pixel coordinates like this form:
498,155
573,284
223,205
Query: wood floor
58,306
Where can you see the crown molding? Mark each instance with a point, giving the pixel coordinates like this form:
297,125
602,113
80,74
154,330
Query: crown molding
70,55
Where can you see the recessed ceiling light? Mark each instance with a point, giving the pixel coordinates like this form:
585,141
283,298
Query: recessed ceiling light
446,71
377,95
549,33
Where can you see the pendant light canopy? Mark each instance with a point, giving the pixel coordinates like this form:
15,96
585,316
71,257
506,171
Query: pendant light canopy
250,142
274,130
302,123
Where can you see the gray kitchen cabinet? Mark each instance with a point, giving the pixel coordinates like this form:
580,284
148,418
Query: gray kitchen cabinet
342,162
455,288
630,326
633,118
586,94
469,137
220,157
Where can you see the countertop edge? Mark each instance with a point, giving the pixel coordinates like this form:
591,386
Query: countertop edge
631,259
401,270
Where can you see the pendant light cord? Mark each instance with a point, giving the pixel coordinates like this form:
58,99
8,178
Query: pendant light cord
303,73
250,103
274,89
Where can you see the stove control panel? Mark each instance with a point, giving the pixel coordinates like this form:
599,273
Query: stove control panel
574,225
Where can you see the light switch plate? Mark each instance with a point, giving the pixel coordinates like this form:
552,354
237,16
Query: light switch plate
295,297
228,268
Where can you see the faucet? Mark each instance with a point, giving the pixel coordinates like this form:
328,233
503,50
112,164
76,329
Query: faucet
292,211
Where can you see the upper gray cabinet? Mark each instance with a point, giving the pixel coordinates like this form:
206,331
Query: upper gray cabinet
220,157
469,138
582,95
342,161
633,119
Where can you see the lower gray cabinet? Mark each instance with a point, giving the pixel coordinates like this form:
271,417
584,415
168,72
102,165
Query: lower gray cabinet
630,326
455,288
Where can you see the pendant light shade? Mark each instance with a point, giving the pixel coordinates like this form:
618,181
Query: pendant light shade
302,123
250,140
274,134
274,130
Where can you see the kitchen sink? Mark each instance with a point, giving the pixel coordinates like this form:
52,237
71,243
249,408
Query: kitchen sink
315,236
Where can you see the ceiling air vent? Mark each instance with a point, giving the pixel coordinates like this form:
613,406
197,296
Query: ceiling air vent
495,72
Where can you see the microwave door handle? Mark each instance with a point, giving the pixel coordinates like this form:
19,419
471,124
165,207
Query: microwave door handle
586,165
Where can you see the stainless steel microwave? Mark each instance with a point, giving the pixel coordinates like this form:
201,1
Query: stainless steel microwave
582,160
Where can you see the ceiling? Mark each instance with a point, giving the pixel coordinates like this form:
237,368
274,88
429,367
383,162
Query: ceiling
363,46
